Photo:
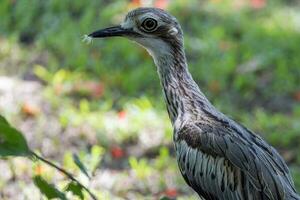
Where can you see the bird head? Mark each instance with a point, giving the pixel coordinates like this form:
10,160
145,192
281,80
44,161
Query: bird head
153,28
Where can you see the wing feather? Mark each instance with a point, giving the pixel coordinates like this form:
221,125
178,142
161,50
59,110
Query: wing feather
254,168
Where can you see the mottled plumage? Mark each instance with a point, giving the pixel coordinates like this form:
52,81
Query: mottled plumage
218,157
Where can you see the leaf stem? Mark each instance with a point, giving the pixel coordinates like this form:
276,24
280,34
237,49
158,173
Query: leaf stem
66,173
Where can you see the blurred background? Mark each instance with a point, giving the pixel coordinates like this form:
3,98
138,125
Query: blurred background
72,98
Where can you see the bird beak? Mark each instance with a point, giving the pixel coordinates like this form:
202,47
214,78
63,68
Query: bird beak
112,32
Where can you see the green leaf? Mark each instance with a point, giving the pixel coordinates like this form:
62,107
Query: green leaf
75,189
80,165
3,120
47,189
96,156
12,142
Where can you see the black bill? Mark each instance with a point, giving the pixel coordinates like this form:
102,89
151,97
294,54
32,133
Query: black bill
112,32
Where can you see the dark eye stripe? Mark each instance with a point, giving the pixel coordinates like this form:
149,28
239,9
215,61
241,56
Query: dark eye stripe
149,25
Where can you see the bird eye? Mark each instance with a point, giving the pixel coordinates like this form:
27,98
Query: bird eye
149,24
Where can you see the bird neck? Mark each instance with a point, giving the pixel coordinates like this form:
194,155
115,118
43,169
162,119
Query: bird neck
182,94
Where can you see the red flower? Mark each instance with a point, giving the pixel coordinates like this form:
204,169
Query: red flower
30,109
117,152
257,4
136,3
163,4
122,115
171,192
89,88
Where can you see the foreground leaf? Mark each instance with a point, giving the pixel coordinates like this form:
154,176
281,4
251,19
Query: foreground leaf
3,120
47,189
75,189
80,165
12,142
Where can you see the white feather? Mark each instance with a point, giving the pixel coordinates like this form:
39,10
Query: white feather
87,39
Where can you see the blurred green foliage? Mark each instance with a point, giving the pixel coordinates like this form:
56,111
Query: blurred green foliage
245,59
245,52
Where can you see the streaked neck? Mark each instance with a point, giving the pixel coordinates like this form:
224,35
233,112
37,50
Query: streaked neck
182,94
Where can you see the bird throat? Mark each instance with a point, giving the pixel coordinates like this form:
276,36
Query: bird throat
182,94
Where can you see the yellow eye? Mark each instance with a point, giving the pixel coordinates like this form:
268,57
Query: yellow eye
149,24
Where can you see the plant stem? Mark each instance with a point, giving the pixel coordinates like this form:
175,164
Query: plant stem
66,173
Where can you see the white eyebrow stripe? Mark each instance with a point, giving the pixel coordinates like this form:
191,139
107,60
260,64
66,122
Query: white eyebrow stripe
148,15
127,24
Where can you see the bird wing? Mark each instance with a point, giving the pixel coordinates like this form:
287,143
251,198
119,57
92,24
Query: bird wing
241,161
